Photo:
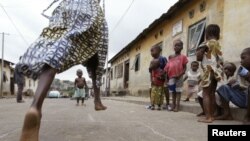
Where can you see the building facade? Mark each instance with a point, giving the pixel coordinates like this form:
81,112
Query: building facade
9,86
8,77
186,20
105,83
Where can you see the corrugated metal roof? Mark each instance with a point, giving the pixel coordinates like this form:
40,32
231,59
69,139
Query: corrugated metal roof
155,23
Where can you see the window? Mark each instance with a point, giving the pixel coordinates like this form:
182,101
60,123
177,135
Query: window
158,45
195,36
5,78
119,70
161,32
136,65
203,6
156,35
191,14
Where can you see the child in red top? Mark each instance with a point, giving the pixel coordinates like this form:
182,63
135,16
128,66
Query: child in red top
175,69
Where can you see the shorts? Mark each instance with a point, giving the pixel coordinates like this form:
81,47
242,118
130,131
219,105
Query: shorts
175,85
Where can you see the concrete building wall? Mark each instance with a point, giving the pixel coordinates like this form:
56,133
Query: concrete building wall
117,83
9,75
236,28
226,13
213,13
30,84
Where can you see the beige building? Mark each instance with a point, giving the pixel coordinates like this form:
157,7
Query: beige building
9,86
105,83
30,86
8,77
186,20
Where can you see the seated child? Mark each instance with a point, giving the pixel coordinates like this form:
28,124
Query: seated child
229,70
193,78
235,91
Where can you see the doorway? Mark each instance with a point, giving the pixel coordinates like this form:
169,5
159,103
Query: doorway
126,74
12,86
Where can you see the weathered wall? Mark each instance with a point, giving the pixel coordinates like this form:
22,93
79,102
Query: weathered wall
116,84
228,14
6,85
236,28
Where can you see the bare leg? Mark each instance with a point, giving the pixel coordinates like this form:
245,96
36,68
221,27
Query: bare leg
97,100
226,111
188,97
166,95
200,100
77,101
178,99
30,131
207,103
173,100
82,101
151,102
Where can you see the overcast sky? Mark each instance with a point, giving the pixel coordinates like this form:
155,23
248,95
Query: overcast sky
26,14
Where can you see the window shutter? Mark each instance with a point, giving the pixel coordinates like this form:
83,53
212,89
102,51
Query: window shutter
195,34
134,63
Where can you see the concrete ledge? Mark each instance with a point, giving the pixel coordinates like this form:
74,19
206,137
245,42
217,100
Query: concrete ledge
191,107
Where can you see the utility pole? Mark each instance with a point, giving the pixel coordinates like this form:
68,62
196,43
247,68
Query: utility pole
2,64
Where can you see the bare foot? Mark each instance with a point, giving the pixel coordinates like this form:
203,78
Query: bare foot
200,114
206,120
176,109
224,117
30,131
99,106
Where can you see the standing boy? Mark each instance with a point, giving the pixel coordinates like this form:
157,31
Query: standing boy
80,85
175,69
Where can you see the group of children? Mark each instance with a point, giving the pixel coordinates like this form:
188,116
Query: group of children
215,84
